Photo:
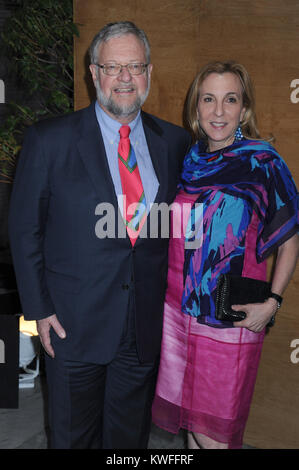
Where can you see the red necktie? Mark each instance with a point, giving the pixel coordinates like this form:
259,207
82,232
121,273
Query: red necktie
134,198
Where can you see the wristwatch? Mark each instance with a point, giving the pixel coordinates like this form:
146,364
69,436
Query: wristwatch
278,299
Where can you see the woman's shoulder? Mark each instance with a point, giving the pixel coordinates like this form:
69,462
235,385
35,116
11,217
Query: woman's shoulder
267,159
262,150
258,144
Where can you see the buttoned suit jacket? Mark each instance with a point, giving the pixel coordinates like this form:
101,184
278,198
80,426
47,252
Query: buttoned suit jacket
61,264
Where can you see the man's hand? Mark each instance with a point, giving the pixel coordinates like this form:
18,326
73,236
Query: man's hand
43,328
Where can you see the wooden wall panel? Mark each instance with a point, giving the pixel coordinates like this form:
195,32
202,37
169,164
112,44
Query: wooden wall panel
264,36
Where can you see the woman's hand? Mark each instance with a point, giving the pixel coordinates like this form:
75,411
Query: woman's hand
257,315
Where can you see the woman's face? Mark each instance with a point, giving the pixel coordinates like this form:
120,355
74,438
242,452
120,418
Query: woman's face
220,108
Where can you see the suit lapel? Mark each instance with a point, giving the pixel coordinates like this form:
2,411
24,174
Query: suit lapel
158,150
91,148
92,151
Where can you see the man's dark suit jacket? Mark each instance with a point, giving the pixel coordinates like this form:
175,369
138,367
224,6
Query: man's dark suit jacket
61,265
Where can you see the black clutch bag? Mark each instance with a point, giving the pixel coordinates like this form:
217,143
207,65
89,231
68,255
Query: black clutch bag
237,290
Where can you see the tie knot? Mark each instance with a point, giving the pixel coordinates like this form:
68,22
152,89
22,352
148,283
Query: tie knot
124,132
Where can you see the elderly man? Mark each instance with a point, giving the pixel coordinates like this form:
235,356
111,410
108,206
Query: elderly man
98,296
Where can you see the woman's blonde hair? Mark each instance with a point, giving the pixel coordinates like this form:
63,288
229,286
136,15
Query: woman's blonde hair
249,122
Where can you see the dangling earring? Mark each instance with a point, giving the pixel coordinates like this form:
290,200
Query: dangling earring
238,133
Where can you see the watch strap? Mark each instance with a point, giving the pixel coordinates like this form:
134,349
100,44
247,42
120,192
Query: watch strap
277,297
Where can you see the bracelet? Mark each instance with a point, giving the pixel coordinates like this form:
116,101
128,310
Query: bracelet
278,299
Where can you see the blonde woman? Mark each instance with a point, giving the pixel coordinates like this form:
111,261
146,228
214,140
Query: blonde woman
208,366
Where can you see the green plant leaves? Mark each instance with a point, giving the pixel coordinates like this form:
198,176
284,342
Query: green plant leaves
38,40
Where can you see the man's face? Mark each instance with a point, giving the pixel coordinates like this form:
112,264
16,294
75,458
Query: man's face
123,95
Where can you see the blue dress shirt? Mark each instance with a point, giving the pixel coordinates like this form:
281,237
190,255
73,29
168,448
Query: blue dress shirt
109,128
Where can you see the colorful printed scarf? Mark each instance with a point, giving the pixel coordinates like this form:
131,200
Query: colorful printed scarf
243,186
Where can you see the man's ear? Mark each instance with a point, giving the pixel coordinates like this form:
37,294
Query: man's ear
93,71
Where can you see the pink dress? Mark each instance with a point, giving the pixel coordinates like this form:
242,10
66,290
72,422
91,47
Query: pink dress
249,206
207,375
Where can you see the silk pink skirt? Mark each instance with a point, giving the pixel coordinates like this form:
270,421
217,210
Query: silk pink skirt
207,375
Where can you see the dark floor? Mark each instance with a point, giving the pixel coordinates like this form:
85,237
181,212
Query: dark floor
25,427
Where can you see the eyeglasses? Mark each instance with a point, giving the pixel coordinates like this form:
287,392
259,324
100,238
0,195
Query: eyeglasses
116,69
